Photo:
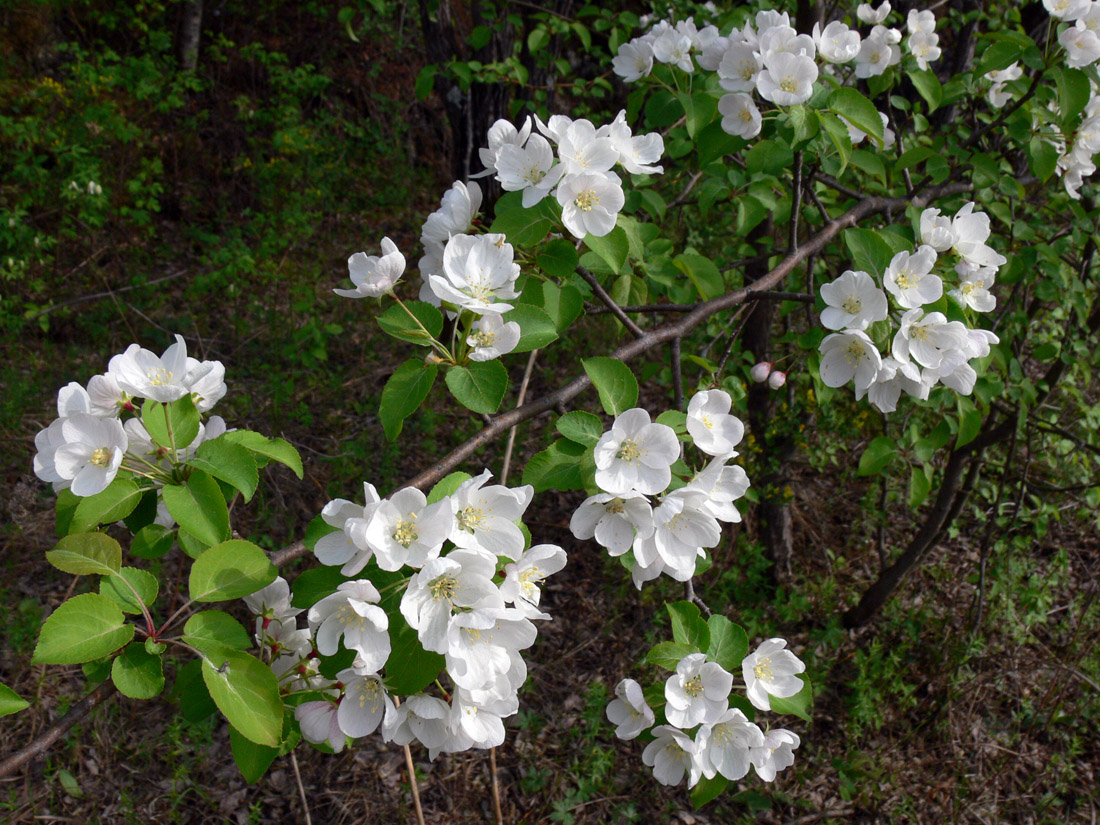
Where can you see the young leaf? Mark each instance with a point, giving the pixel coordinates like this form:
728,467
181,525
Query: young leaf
404,392
410,668
230,462
152,542
395,321
688,627
536,327
556,468
171,425
612,247
877,456
115,588
480,386
313,585
247,693
558,258
11,702
86,554
86,627
230,570
199,507
272,449
563,304
728,643
702,273
857,110
707,789
209,630
447,485
520,226
191,693
581,427
113,504
669,654
137,673
798,705
616,384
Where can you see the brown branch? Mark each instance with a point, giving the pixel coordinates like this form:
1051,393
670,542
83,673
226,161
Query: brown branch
609,302
45,740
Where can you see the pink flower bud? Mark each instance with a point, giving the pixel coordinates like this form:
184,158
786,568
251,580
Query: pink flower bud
760,372
777,379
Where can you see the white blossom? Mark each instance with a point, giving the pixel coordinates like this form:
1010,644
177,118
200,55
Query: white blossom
501,134
724,745
485,516
529,169
348,546
926,338
836,42
89,455
491,337
374,276
869,14
1082,47
353,613
710,424
523,577
479,274
971,232
635,455
848,355
615,521
771,670
776,754
674,48
740,117
853,301
697,692
364,705
629,712
672,756
935,230
739,68
462,579
591,202
406,530
634,61
973,288
637,154
910,280
787,78
319,723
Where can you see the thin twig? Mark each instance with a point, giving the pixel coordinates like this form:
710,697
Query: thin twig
683,195
301,787
519,403
45,740
497,814
609,302
796,203
677,376
729,345
413,786
107,294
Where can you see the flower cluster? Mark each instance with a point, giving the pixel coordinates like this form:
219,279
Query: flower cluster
773,60
98,433
726,741
635,459
475,605
924,347
580,174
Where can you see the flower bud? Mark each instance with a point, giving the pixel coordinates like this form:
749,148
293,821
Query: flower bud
777,379
760,372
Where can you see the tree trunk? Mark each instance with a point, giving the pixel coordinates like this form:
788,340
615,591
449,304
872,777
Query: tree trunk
190,28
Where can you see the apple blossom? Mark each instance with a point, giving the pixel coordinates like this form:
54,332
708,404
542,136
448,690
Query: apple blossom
462,579
682,527
740,117
1082,47
529,169
629,712
739,68
90,455
502,133
635,455
485,516
374,276
998,97
776,754
787,78
348,546
920,21
420,717
836,42
771,670
971,232
875,56
1067,9
523,577
672,756
479,274
615,521
406,530
722,484
854,301
637,154
633,61
145,375
777,379
910,280
591,202
353,613
712,428
724,745
924,47
697,692
319,723
936,230
760,371
893,377
364,704
848,355
868,14
674,48
926,338
455,216
492,337
973,289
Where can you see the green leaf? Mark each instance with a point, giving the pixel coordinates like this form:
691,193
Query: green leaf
857,110
558,467
145,513
86,554
395,321
612,247
252,759
199,507
211,630
668,654
613,380
425,81
1042,157
520,226
67,502
920,485
137,673
536,327
10,701
712,143
230,570
404,392
112,504
581,427
272,449
1074,91
152,542
171,425
410,667
563,304
728,643
231,462
707,789
313,585
86,627
447,485
838,134
870,253
191,693
558,259
970,422
803,122
479,386
703,273
317,529
688,626
997,57
675,419
798,705
876,456
97,670
145,583
247,693
928,86
768,157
